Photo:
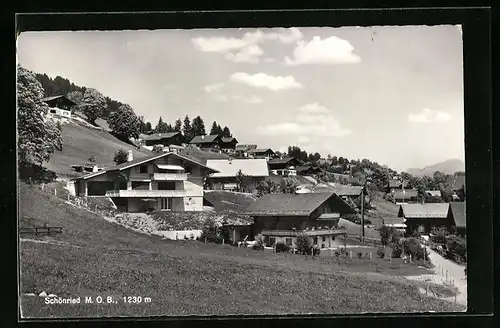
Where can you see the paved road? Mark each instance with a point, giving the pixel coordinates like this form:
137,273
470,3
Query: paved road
450,271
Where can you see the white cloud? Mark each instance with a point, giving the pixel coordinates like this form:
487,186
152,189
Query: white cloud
309,124
303,140
245,49
428,116
216,87
331,50
262,80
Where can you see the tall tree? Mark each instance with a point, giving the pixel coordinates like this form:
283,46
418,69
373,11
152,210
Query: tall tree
187,130
38,138
124,123
75,96
219,130
92,105
214,129
178,125
198,127
226,133
169,128
161,127
148,128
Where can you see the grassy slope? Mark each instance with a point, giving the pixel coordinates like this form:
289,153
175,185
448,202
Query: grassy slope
229,201
80,142
102,258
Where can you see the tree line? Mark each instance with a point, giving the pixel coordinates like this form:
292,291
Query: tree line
188,128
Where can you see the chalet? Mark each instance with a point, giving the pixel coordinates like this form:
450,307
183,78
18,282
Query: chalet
404,196
228,144
163,182
212,141
307,170
424,217
282,217
164,139
242,150
59,105
266,153
396,184
255,171
283,166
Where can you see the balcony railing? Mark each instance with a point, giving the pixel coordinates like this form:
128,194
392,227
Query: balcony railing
146,193
295,233
169,176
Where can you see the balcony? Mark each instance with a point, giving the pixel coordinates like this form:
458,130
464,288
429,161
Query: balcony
169,176
295,233
146,193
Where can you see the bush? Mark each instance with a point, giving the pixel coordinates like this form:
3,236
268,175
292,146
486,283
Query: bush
360,255
457,246
439,236
210,232
258,247
381,252
386,234
282,247
412,246
303,244
121,156
259,242
316,250
397,250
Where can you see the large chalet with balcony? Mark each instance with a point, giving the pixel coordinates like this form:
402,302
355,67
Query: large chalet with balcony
166,181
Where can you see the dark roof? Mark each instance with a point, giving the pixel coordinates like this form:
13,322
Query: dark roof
459,213
160,136
405,193
293,204
283,160
141,160
205,139
260,150
47,99
229,139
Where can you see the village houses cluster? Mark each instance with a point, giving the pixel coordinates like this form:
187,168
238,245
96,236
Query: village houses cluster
170,180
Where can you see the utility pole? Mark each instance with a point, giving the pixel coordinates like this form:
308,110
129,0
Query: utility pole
363,212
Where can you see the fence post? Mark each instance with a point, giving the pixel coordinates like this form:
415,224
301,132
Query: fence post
55,192
68,197
350,254
370,255
205,240
222,241
43,184
446,275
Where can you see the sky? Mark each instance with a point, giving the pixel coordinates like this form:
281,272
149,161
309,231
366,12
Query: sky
392,94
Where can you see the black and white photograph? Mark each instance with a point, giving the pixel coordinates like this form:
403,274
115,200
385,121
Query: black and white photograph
241,171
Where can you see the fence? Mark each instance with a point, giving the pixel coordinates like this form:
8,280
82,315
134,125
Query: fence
40,230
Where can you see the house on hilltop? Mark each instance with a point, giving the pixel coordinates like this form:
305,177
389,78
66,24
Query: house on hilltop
403,196
228,144
307,170
60,105
424,217
164,139
213,141
162,182
255,171
283,217
266,153
283,166
396,184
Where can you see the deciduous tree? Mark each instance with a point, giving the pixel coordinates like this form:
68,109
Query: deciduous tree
121,156
93,104
124,123
38,137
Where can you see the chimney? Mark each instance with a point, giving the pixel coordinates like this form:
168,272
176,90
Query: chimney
130,156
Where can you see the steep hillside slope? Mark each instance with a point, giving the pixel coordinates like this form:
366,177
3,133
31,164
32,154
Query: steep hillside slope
81,141
93,257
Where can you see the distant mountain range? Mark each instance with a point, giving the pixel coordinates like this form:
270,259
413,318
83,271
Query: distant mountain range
448,167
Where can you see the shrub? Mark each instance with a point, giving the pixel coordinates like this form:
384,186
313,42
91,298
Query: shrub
412,246
381,252
282,247
438,236
337,254
191,236
258,247
259,242
121,156
397,250
316,250
360,255
210,232
458,246
303,244
385,234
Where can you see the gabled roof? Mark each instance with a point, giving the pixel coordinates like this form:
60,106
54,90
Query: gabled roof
405,193
347,190
395,183
459,213
229,168
142,160
205,139
229,139
294,204
260,150
160,136
242,147
429,210
46,99
283,160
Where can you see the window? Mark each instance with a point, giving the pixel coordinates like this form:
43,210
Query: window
288,241
333,238
272,241
323,238
143,169
322,245
166,204
166,185
315,240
